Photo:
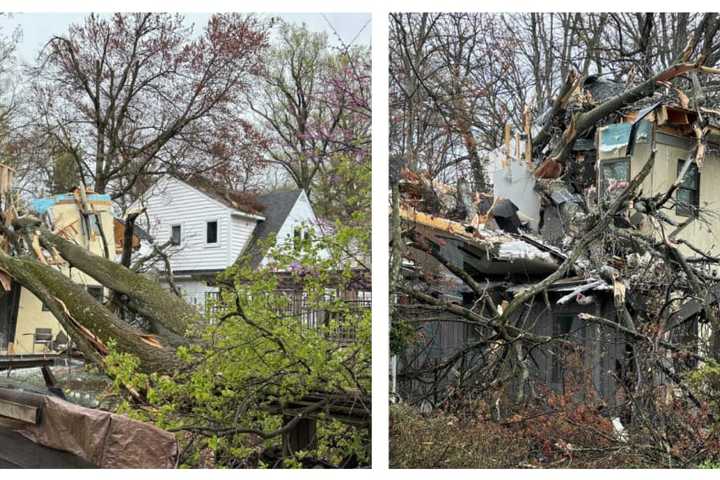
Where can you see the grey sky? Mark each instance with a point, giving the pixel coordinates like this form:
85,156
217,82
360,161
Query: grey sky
37,28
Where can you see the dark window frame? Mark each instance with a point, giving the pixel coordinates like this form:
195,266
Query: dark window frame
297,238
208,230
682,208
173,239
97,292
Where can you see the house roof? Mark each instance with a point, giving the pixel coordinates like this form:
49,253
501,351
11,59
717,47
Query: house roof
276,208
245,202
488,251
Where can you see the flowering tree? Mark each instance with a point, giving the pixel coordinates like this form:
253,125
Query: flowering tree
140,94
314,106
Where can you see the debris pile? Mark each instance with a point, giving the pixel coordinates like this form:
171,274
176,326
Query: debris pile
599,233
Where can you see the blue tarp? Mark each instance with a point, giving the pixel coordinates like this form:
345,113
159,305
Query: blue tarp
41,205
617,135
614,136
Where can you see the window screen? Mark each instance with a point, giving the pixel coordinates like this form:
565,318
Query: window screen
212,232
615,172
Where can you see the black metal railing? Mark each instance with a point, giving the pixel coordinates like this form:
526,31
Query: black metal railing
336,322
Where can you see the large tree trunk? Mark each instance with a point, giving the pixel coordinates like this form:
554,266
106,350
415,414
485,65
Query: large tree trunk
75,308
169,314
583,121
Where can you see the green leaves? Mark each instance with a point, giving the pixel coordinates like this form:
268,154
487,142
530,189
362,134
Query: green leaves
277,335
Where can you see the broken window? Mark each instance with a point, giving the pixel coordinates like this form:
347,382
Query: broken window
615,175
688,193
212,232
176,234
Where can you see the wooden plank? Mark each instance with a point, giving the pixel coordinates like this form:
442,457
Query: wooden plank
18,411
26,361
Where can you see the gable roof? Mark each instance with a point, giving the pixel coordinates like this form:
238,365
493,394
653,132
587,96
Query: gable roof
277,207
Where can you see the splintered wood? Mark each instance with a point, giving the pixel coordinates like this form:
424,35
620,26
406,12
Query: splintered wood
6,179
506,145
432,221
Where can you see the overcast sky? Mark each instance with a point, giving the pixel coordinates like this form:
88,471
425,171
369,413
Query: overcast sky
37,28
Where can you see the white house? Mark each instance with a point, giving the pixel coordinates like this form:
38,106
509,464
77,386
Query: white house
211,227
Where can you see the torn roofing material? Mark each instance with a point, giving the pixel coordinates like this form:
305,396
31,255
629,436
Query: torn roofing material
42,205
138,230
100,438
17,451
245,202
635,123
506,217
487,251
601,89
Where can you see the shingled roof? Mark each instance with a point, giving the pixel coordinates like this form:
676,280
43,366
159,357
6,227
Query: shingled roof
244,201
276,208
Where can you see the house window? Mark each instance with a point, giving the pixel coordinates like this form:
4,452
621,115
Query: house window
176,235
614,173
98,293
562,324
688,192
212,232
302,239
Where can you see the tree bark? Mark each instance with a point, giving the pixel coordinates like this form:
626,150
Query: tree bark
169,315
72,305
583,121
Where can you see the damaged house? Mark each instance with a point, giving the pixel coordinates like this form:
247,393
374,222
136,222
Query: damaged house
546,284
84,218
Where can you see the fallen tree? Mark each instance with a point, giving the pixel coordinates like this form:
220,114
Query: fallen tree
169,314
250,371
591,334
85,318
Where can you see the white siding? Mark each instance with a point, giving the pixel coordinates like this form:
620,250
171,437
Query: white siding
171,202
194,292
241,232
516,182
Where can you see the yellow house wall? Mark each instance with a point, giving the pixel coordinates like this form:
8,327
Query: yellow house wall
30,317
705,236
66,217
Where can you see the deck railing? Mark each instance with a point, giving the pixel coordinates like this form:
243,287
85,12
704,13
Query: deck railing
298,306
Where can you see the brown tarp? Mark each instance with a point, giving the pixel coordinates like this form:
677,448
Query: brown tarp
104,439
